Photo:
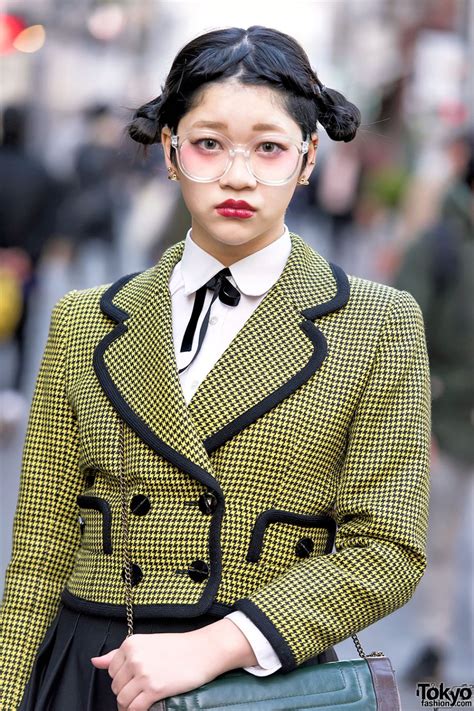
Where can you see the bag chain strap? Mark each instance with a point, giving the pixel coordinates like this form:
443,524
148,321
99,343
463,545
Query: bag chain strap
128,563
360,650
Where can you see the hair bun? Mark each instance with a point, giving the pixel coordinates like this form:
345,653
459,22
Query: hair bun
336,114
145,124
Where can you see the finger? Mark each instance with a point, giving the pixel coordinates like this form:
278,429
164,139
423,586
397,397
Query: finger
103,661
122,677
128,696
144,701
117,662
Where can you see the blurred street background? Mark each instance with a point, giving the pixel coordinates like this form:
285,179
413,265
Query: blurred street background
80,207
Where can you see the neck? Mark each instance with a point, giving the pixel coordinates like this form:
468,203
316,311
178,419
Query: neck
226,252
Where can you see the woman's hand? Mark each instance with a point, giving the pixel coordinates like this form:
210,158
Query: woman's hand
150,667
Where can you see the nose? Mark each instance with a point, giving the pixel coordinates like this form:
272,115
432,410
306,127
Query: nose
238,175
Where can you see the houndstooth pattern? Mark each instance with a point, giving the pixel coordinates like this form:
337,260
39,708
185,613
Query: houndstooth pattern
351,442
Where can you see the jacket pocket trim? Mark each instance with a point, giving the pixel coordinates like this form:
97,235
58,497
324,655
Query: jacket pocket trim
103,506
280,516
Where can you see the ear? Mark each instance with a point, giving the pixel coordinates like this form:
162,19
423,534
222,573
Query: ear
311,156
166,143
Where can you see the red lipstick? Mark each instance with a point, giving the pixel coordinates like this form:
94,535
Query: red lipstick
235,208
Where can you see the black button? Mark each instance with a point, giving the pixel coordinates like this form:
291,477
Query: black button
82,524
136,574
90,479
207,502
198,571
304,547
140,505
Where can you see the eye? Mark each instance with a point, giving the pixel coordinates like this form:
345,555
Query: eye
270,148
207,144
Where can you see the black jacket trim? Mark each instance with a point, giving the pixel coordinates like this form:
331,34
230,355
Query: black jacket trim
317,357
280,516
104,609
268,629
338,301
160,447
103,506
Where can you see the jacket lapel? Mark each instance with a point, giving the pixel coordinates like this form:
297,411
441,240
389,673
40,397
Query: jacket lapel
277,350
136,367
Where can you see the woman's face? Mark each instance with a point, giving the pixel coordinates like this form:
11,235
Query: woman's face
239,108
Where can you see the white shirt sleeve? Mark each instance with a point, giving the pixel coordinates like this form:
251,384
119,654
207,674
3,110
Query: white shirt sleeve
268,661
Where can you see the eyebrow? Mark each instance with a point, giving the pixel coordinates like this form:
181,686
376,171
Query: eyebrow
256,127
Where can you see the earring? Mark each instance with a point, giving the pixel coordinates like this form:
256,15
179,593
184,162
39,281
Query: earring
171,174
303,181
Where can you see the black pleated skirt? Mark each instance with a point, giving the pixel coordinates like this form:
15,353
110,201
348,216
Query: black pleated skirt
63,676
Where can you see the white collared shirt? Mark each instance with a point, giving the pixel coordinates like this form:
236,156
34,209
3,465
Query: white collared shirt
253,276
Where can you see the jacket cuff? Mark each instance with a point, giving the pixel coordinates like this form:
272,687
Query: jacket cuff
268,629
268,661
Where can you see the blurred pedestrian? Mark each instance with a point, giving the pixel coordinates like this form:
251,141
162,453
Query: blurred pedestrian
96,201
28,201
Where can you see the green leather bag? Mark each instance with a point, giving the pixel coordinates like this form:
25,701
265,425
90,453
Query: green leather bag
355,685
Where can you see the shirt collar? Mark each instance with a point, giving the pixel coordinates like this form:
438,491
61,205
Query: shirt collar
253,275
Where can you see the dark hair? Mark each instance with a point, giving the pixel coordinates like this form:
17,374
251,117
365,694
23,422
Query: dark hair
258,55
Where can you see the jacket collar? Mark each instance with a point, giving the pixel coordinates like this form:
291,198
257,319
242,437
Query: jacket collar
253,275
278,349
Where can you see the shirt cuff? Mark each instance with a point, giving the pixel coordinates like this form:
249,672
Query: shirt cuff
268,661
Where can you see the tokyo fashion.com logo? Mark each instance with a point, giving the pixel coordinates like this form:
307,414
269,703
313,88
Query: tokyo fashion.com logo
442,696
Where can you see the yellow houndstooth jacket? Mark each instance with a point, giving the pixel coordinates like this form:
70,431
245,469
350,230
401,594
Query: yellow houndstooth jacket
293,487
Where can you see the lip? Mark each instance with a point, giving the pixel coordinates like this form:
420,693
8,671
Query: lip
236,205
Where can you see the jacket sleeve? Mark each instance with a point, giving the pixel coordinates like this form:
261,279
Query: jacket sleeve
45,530
381,508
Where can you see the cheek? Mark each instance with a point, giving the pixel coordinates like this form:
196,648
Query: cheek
276,199
197,196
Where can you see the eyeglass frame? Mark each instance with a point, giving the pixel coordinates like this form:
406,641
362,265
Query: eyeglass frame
302,147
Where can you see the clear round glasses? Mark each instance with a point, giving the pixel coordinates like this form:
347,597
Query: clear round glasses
206,156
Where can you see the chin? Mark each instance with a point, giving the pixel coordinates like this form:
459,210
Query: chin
234,232
234,241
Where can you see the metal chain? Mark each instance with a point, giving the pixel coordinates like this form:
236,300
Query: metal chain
360,650
127,563
358,645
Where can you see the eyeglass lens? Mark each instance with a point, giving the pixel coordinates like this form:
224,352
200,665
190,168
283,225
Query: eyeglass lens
272,158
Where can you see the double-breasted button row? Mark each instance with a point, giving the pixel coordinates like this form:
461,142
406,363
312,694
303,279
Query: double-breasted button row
140,504
197,571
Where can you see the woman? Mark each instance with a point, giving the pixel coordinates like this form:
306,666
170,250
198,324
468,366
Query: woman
214,418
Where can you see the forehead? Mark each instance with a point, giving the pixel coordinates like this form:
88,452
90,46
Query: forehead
238,109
